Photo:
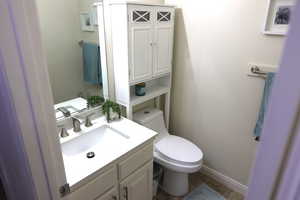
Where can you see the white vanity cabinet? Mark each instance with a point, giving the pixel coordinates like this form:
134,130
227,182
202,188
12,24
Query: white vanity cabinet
128,178
138,185
142,46
112,194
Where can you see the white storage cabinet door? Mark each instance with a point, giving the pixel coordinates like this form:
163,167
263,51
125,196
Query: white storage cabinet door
140,26
163,40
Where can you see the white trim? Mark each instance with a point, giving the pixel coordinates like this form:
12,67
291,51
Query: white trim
103,49
275,33
225,180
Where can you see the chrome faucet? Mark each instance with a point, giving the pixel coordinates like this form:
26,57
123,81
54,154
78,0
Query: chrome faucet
76,124
64,111
88,121
63,131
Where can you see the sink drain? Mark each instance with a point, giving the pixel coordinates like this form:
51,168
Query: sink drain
90,155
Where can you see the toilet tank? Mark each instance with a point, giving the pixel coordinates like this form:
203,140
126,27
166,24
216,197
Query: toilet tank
152,118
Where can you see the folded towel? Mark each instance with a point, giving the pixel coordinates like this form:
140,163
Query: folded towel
91,62
264,105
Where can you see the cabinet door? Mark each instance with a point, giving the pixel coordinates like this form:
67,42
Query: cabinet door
163,45
140,43
138,186
110,195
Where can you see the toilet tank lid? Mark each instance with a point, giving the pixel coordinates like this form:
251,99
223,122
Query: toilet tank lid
146,115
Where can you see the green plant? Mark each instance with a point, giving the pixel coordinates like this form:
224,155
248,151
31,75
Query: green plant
93,101
108,106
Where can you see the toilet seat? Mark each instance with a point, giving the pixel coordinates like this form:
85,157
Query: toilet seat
178,154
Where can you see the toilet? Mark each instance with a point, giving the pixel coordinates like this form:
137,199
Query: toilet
177,155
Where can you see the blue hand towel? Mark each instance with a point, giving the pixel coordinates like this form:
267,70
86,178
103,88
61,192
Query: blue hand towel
91,63
264,105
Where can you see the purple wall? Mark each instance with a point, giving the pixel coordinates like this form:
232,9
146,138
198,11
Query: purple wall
2,192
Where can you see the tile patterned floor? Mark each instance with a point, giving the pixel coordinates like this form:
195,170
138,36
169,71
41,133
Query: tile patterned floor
197,179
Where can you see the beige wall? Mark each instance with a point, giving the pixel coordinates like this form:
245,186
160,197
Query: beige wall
60,33
214,103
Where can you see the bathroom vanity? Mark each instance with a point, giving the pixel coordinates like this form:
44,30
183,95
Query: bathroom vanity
106,161
120,163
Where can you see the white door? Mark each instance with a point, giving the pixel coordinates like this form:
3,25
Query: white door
110,195
138,186
140,43
163,41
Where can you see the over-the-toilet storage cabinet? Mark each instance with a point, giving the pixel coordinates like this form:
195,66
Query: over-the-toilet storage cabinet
142,37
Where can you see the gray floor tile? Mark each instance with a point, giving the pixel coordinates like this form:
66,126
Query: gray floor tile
197,179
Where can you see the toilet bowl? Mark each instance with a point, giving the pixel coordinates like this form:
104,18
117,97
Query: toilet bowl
177,155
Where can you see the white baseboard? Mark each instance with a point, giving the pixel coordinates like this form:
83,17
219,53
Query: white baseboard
227,181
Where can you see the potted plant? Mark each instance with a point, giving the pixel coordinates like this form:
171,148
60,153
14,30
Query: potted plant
94,101
111,110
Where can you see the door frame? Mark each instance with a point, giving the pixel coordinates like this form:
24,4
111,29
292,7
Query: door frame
23,65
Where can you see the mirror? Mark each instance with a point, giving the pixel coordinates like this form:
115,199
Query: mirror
73,37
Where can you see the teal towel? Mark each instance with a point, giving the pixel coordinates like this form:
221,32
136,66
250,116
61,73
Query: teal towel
204,192
264,105
91,63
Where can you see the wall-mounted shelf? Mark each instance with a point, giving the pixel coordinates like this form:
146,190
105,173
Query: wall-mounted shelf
151,93
154,89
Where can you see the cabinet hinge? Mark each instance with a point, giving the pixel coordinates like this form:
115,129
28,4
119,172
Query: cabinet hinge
64,190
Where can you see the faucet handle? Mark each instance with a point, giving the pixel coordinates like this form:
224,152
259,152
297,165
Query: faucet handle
63,132
76,124
88,122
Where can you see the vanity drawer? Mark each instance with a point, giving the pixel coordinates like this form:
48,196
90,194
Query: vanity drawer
135,161
96,187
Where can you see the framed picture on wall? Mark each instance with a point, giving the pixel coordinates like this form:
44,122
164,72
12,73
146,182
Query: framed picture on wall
278,17
86,21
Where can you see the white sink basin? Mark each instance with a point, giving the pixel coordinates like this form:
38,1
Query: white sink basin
99,141
107,141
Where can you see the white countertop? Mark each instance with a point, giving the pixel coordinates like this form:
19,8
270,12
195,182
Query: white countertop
73,105
78,167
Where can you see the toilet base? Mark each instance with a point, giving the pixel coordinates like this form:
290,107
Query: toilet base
175,183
